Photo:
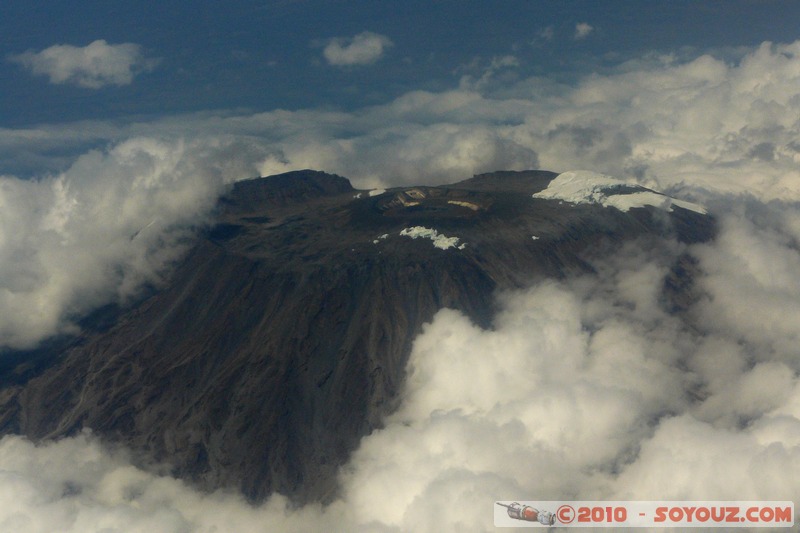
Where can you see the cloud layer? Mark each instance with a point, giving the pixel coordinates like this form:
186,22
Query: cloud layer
671,123
93,66
110,224
363,49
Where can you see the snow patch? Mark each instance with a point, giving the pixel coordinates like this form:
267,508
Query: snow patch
586,187
379,239
534,237
440,241
376,192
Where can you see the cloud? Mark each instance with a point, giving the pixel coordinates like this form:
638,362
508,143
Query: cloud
363,49
582,30
688,126
107,226
94,66
501,69
546,34
701,124
79,485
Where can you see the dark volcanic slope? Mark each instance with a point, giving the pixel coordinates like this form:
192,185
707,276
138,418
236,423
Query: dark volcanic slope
283,337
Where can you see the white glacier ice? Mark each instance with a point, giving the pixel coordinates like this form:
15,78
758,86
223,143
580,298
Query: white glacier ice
586,187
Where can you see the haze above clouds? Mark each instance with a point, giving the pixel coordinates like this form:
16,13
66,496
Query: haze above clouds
705,406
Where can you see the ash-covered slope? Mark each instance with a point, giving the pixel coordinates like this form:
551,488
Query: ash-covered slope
283,336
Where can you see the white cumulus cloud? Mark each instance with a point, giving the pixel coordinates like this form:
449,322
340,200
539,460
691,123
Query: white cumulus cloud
582,30
111,223
96,65
363,49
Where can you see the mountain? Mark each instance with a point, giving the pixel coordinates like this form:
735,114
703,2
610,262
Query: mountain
283,335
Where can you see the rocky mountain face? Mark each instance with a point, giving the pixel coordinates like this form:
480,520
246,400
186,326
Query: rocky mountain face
283,335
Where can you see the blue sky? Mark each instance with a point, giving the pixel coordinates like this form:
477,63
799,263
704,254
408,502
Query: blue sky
266,55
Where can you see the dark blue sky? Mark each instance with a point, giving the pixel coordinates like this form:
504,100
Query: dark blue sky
267,55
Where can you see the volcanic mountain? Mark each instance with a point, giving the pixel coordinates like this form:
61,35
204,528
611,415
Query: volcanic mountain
282,337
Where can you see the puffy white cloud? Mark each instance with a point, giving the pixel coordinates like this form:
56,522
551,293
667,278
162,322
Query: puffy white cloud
582,30
111,223
363,49
93,66
77,485
755,261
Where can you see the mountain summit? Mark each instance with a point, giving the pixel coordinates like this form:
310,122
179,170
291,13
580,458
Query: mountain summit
283,335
